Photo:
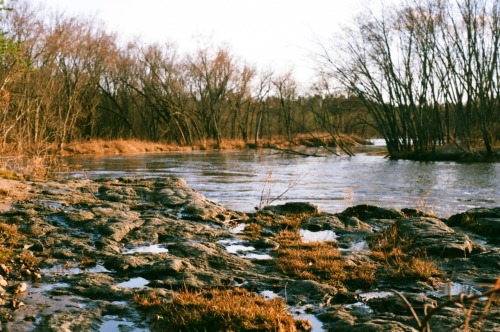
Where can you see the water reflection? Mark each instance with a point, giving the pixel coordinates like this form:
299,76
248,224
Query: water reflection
236,179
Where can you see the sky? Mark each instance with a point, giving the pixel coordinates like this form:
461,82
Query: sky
269,34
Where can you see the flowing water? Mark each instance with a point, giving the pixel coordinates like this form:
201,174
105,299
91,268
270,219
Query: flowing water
241,180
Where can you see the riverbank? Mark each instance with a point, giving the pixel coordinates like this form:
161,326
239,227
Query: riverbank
451,153
90,254
122,146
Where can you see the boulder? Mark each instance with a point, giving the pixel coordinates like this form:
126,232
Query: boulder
293,208
482,221
433,236
365,212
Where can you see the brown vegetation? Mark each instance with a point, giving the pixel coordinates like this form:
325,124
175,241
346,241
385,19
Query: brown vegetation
320,261
67,80
217,310
9,239
393,249
475,310
253,230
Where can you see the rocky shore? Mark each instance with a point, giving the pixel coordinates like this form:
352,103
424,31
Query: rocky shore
76,255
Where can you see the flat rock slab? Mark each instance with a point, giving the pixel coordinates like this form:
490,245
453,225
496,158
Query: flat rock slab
435,237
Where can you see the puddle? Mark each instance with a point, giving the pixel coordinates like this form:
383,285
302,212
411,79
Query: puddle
240,284
481,242
235,246
316,325
455,288
114,323
359,306
321,236
374,295
358,246
257,256
238,229
47,287
154,249
268,295
56,206
134,283
122,303
59,220
62,270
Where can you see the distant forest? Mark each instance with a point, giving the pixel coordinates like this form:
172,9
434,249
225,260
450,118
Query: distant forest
420,75
65,79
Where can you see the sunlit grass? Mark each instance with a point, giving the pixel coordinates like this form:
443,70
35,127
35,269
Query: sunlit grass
320,261
8,174
392,249
217,310
9,239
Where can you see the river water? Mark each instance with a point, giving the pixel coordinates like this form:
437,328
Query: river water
241,180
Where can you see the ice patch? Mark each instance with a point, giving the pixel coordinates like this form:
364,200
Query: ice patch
321,236
375,295
134,283
268,295
316,325
154,248
238,229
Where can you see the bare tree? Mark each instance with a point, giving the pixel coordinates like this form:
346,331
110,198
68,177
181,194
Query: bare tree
424,69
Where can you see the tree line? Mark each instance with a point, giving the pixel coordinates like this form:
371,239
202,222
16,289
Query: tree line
65,79
428,73
421,74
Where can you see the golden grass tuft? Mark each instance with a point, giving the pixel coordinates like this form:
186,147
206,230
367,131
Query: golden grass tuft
5,255
289,221
8,175
393,249
29,259
9,239
217,310
253,229
319,261
103,147
86,262
4,192
9,235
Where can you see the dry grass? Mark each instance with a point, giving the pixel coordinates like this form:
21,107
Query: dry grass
118,146
31,168
8,174
5,255
9,239
475,311
217,310
393,249
86,262
9,235
289,221
253,230
137,146
29,259
320,261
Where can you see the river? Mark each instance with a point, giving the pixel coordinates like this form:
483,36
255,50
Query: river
240,180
